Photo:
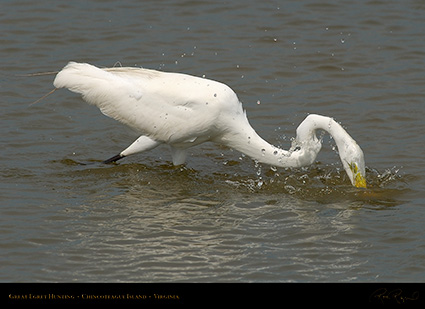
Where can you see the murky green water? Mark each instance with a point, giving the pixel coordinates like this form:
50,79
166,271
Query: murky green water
65,217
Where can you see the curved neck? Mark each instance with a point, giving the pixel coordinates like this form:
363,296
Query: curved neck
307,129
304,148
247,141
251,144
347,147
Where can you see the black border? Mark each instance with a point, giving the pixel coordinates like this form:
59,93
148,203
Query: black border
149,294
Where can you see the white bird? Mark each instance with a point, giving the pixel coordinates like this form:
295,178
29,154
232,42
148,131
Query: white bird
183,111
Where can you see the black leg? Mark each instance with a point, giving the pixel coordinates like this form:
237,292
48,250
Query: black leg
113,159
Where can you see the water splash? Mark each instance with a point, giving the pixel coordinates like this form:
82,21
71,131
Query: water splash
325,184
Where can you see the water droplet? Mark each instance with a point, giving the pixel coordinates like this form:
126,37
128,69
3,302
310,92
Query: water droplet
263,152
215,94
342,41
260,183
290,189
259,172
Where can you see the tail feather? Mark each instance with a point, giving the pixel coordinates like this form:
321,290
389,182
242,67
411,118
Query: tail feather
97,86
85,79
116,96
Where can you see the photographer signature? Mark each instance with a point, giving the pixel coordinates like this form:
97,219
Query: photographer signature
396,295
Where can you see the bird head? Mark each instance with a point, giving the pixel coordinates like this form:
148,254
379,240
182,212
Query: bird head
353,161
357,176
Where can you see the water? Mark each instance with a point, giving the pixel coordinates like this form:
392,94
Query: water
65,217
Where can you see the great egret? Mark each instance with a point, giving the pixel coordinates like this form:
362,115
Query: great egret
183,111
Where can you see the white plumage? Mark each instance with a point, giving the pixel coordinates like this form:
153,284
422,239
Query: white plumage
183,111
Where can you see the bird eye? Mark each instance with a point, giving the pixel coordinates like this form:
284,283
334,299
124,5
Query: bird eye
353,168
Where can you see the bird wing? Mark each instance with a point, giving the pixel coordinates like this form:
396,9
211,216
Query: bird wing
168,107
